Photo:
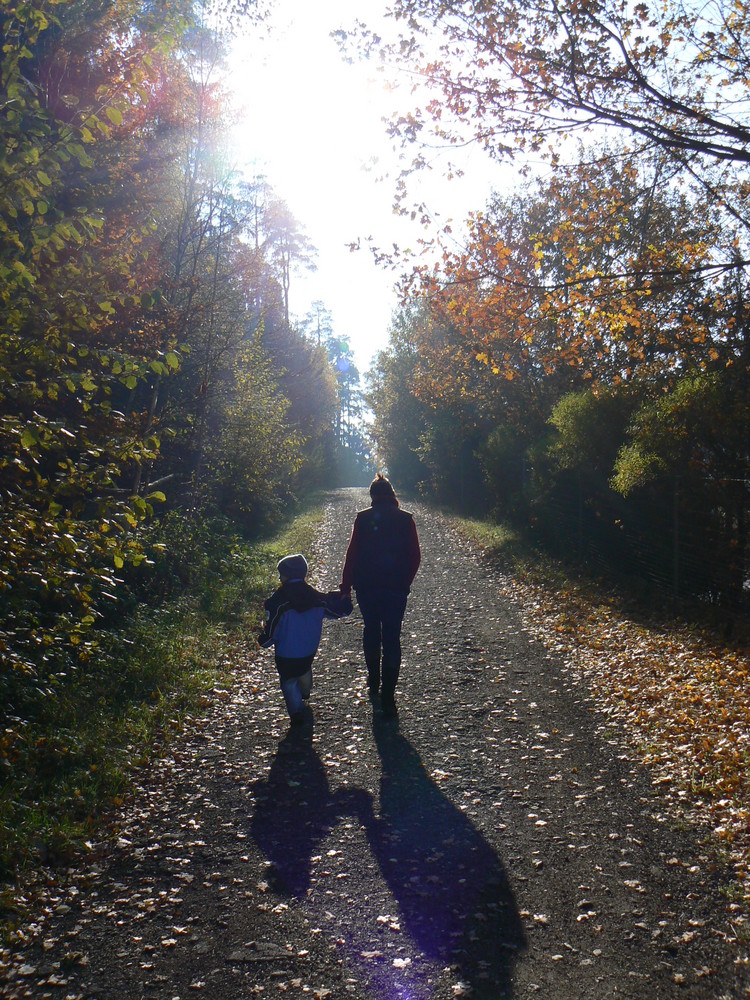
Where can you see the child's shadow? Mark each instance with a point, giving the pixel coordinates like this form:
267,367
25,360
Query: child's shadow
451,886
295,811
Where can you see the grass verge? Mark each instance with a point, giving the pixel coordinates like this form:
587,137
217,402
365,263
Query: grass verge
66,769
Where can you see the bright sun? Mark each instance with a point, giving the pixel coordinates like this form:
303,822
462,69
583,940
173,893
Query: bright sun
313,125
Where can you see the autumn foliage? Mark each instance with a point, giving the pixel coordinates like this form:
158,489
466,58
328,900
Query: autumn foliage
579,356
145,347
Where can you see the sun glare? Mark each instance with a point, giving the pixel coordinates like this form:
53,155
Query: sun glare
312,124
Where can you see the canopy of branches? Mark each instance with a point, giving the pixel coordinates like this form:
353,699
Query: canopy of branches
585,342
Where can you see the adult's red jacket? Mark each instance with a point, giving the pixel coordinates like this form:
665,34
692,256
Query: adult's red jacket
384,549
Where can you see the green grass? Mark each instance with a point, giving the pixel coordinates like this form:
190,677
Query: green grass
517,554
63,771
508,547
498,540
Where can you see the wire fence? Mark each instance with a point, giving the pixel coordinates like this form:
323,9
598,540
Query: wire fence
685,545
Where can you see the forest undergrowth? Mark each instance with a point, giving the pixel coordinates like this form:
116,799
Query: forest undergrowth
675,691
66,768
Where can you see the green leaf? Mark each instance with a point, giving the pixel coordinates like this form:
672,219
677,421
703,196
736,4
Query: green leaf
29,438
114,116
157,496
172,360
68,544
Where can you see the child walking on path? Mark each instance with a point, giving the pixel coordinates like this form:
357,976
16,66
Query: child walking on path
294,624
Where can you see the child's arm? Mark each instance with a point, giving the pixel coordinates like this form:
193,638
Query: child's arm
265,638
275,607
337,604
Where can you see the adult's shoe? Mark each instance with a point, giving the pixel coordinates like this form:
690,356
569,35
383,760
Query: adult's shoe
389,708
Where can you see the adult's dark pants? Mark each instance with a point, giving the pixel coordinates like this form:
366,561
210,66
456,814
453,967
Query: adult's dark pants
382,613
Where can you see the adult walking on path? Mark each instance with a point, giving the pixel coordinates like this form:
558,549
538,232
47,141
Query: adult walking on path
504,845
381,562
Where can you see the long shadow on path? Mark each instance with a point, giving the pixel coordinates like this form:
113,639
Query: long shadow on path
452,890
451,887
294,811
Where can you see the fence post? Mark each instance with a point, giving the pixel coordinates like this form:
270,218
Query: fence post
676,541
580,518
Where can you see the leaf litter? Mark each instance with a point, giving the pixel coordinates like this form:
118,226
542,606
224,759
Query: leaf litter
232,850
680,698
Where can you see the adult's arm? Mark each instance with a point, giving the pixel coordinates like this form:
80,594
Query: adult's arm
347,575
415,553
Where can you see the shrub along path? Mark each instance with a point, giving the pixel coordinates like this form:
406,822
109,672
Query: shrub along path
496,841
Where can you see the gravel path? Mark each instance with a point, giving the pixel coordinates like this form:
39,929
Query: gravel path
494,842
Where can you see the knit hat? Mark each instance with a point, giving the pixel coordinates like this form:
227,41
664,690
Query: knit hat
381,488
293,567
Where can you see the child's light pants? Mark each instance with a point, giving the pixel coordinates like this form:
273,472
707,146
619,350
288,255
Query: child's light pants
295,689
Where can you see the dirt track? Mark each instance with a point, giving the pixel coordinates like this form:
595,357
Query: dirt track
494,842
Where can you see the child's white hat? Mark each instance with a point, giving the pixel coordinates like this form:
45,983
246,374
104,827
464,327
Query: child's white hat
293,567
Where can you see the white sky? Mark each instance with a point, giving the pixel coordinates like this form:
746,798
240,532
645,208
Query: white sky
313,125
